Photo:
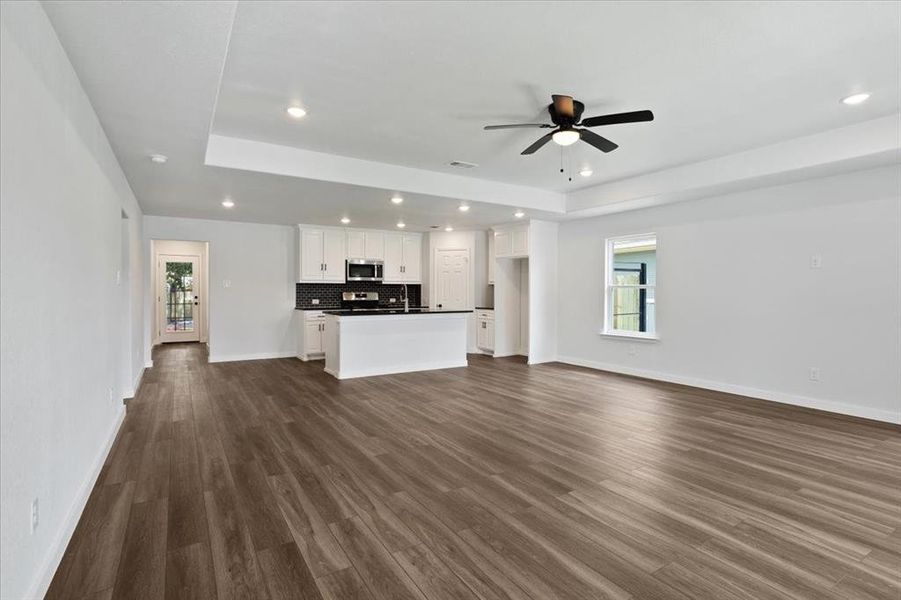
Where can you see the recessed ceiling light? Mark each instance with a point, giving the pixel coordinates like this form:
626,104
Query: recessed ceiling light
345,220
448,228
396,199
463,207
228,203
158,158
519,214
855,98
586,172
401,224
566,137
296,112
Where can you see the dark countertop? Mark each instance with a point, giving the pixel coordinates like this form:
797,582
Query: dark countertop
392,311
387,307
484,308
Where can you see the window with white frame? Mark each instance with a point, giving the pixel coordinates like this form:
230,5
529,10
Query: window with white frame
631,279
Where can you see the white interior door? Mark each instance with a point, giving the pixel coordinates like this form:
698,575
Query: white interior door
178,298
452,280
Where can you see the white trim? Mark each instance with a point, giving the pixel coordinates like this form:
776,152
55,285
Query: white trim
609,286
58,548
647,337
253,356
135,385
397,369
854,410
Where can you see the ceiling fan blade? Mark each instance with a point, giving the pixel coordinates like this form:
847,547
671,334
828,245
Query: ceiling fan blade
615,119
516,126
563,105
601,143
538,144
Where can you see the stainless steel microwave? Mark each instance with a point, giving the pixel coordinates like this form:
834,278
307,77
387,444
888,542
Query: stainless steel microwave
364,270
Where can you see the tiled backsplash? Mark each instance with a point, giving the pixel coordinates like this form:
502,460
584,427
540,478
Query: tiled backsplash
329,294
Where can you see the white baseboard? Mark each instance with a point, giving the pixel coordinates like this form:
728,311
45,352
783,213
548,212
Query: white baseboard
135,385
255,356
399,369
853,410
58,548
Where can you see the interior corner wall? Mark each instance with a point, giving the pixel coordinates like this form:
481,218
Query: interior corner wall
63,311
254,316
739,308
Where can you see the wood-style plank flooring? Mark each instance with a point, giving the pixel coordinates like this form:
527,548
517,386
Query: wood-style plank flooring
270,479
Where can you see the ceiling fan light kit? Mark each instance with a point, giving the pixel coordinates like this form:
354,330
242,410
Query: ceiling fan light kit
566,116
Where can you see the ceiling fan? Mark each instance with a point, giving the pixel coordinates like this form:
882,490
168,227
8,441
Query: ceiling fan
566,114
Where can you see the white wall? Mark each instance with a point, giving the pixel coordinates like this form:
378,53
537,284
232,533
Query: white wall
254,317
739,309
542,286
62,316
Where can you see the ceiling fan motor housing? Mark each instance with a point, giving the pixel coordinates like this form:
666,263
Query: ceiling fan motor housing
566,120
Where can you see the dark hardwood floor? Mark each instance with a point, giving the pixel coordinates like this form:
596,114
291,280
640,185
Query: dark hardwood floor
270,479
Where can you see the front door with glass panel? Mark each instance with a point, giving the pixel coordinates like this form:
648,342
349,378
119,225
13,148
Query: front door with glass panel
178,298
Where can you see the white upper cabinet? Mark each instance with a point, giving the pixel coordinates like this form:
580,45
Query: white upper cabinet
356,244
521,241
394,257
311,255
324,252
369,245
374,245
403,258
412,258
322,255
334,256
511,241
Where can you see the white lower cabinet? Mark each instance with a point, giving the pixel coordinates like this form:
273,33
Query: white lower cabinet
309,335
485,330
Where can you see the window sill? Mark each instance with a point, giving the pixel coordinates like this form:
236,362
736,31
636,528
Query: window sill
647,337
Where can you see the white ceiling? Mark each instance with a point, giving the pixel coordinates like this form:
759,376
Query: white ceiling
412,83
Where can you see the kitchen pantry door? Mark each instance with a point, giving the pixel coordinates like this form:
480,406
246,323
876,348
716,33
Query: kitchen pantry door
453,279
178,298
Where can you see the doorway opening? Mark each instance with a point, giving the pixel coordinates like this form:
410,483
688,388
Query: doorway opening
180,280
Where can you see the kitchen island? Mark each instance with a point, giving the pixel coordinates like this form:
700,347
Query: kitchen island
365,343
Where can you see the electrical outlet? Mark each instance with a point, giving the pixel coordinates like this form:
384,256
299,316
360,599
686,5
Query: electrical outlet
35,516
118,277
814,373
816,261
393,300
226,283
315,301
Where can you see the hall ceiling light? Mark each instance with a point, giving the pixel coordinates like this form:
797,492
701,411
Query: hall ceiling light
856,99
296,112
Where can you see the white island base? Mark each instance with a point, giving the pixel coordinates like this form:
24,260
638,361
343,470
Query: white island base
380,344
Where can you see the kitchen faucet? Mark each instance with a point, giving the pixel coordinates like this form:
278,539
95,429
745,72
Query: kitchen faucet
406,299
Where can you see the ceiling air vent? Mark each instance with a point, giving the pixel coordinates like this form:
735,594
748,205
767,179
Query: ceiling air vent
462,164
